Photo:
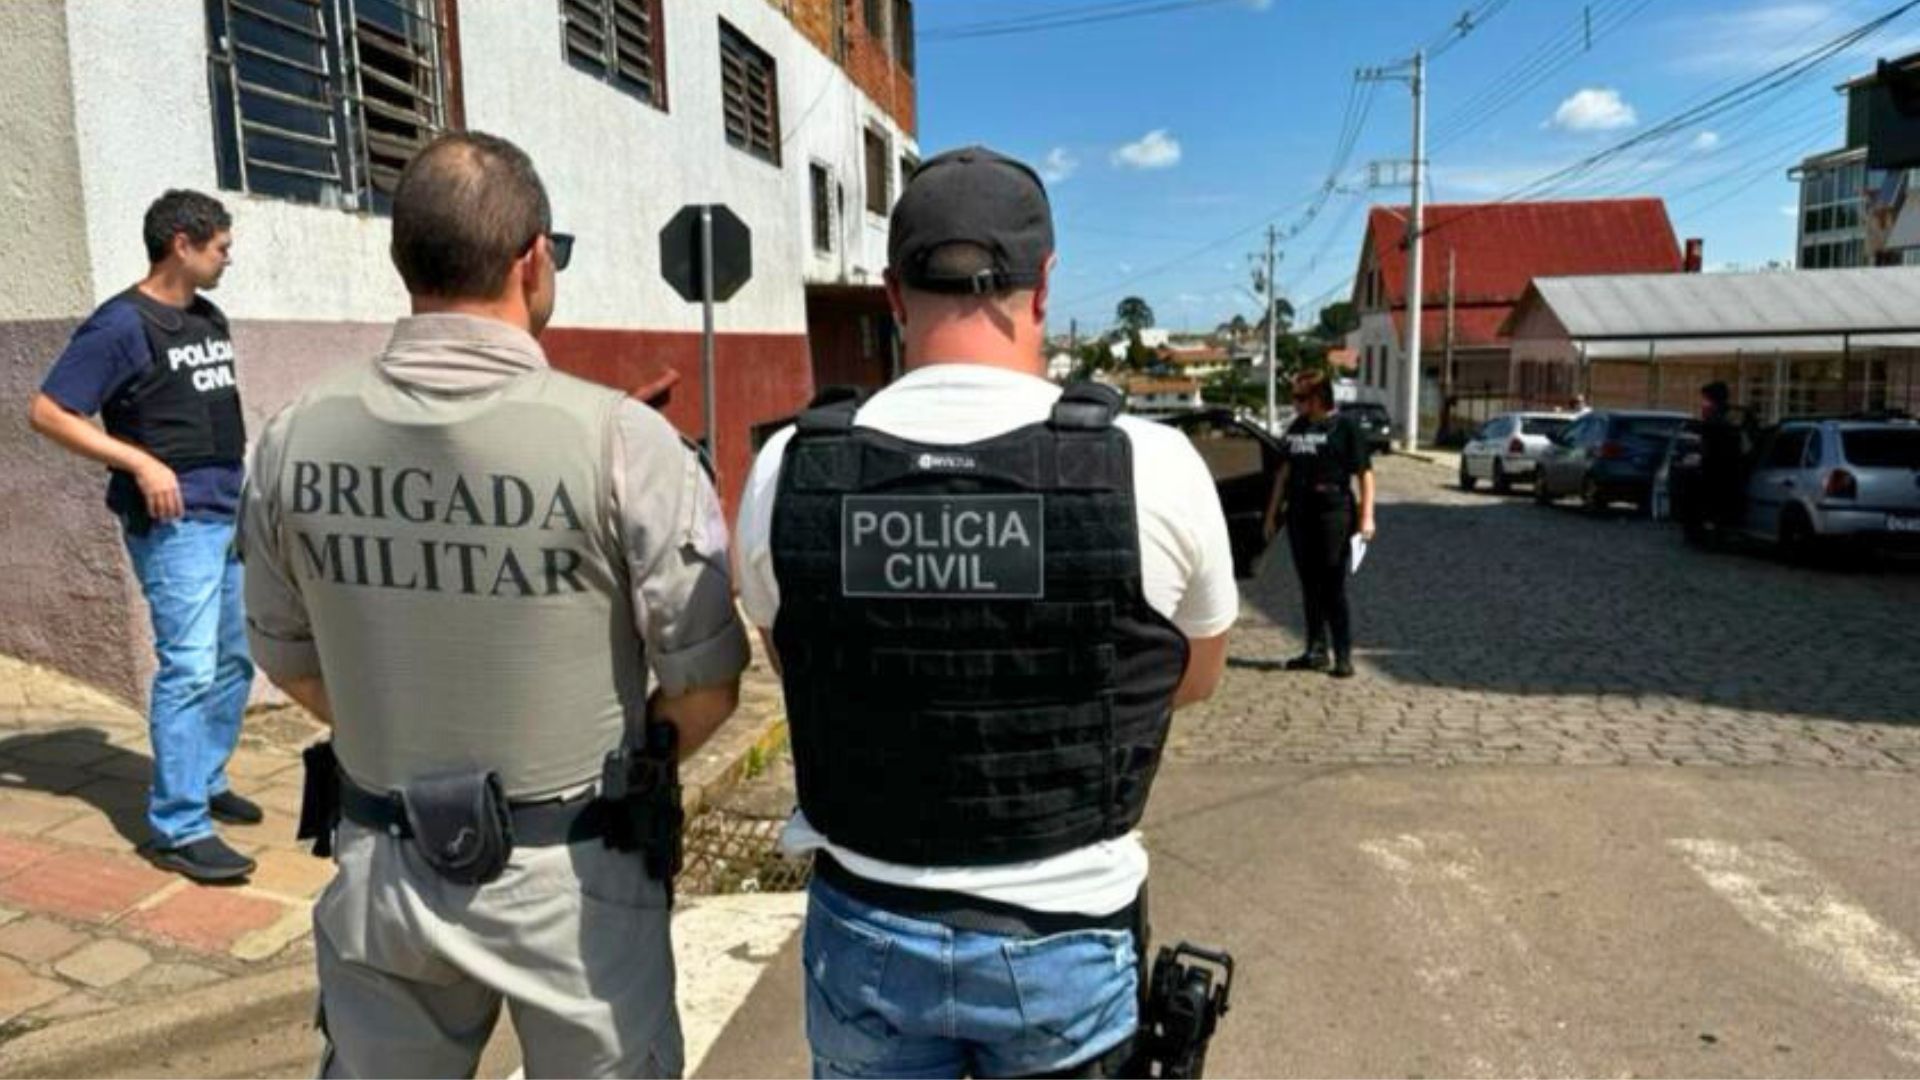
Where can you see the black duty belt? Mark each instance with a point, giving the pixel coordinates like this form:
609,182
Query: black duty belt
535,824
963,912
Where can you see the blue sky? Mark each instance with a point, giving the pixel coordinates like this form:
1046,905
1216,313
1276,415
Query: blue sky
1172,140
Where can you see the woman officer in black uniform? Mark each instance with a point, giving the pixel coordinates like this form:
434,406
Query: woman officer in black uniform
1314,496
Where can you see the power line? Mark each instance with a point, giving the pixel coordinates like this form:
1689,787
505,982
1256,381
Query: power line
1719,105
1057,20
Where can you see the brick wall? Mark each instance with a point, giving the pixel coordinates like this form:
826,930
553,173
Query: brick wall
869,60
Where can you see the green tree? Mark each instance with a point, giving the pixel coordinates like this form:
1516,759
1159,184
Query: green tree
1133,315
1337,321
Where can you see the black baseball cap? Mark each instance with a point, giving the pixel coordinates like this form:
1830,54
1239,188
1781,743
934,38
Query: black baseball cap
976,196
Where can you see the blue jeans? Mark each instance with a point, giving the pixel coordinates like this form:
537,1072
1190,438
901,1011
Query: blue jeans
191,579
891,995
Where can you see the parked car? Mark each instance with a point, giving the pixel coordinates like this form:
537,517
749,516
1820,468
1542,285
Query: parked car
1374,423
1508,448
1674,477
1607,456
1820,484
1245,463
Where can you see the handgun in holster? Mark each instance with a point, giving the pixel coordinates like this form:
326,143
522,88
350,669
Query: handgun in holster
641,784
319,798
1185,998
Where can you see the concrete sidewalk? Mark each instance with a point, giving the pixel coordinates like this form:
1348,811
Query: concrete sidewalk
87,926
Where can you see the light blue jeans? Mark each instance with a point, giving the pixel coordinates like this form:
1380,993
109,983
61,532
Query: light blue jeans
892,995
191,579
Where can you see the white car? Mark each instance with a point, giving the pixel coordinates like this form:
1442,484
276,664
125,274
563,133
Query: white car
1508,448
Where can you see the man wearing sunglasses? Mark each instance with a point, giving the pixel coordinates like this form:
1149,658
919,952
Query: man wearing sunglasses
472,567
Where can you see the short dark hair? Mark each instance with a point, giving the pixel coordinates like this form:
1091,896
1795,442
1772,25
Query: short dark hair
1317,383
201,217
1715,392
466,207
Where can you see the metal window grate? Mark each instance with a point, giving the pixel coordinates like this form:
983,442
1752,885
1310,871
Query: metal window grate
879,172
749,96
903,34
324,101
822,181
622,41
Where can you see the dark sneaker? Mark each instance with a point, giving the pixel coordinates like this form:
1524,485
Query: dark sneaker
236,809
207,859
1342,669
1308,661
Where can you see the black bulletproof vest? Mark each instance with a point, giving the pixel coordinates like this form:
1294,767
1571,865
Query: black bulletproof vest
973,674
185,408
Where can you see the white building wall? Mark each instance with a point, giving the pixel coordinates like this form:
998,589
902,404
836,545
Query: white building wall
616,168
40,167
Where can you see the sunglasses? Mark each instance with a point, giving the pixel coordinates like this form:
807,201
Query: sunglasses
562,249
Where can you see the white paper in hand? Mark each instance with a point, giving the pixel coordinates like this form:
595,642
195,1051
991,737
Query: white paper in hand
1357,546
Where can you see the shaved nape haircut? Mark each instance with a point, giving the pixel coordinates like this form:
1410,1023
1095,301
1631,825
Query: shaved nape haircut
466,207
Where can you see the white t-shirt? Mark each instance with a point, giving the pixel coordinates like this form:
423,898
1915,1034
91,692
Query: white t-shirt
1186,565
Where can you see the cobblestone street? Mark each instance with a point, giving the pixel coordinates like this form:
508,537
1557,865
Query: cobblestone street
1491,630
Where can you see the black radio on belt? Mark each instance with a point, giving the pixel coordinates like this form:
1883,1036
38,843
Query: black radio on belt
642,786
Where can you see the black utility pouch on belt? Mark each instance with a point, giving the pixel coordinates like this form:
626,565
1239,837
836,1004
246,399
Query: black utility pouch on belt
319,799
461,824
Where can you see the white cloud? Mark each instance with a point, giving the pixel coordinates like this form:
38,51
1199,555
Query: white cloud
1706,141
1595,108
1154,150
1058,165
1789,211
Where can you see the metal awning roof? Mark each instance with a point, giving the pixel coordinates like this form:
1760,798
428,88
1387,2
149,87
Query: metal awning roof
1799,311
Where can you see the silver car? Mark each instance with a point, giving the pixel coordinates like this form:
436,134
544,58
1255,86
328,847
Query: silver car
1509,447
1818,483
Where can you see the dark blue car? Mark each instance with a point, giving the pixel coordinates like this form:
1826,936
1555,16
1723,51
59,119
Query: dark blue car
1606,457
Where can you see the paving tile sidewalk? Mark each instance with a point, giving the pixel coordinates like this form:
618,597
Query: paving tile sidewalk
87,925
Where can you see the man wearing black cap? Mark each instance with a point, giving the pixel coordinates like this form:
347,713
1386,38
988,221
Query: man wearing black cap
987,597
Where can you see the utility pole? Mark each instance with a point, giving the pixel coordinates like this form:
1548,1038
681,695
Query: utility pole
1414,72
1410,393
1273,336
1446,371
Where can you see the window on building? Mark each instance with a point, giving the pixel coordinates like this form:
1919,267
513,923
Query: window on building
324,101
822,185
875,13
908,166
621,41
750,95
879,172
903,33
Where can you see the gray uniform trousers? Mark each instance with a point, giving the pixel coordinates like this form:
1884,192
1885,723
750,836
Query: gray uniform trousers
413,968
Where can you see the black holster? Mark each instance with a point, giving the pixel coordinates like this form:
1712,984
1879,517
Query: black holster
641,786
1182,1007
319,799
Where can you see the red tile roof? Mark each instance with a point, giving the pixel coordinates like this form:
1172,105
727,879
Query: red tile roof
1498,248
1473,327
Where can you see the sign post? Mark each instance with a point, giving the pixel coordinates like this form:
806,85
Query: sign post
706,254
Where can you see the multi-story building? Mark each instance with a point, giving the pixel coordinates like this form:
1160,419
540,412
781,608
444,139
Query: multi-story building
1852,215
797,114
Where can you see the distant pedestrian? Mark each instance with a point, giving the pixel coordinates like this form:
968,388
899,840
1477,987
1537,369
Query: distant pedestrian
1578,406
156,363
1722,455
1325,453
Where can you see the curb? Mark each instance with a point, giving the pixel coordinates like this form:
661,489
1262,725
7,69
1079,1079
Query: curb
120,1041
123,1039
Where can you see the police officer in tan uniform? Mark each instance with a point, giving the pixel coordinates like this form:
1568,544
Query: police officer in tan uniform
475,569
